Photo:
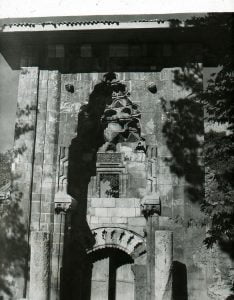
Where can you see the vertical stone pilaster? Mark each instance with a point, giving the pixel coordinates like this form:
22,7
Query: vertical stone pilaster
151,208
39,266
140,281
57,254
24,144
163,264
46,147
45,166
23,160
100,279
152,224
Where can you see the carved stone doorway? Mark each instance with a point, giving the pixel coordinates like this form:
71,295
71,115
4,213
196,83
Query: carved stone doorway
112,276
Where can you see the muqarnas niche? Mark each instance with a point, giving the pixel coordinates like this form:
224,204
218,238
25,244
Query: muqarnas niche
121,119
109,121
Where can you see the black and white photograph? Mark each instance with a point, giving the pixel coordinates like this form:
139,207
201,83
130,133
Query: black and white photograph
116,150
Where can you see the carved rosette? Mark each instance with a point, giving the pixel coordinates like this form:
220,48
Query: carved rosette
62,168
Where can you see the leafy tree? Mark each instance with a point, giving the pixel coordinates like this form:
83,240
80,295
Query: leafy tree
219,155
183,130
12,232
13,244
218,102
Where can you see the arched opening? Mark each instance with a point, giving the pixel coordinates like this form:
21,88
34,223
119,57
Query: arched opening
112,276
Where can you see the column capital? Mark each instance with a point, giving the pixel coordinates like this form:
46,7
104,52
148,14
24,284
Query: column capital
151,205
62,207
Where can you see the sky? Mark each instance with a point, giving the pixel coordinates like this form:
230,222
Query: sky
54,8
35,8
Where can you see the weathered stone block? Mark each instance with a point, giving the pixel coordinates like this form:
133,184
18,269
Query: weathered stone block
56,238
94,220
137,202
104,220
137,221
36,206
109,202
39,266
138,229
119,220
36,197
35,217
34,225
121,212
163,265
44,227
49,218
91,211
96,202
178,191
101,212
140,281
137,211
102,202
125,202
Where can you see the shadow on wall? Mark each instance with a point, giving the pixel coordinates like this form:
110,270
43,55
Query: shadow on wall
184,130
77,265
191,152
76,273
179,281
77,269
14,248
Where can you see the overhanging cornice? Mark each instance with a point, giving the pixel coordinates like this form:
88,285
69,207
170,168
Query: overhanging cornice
15,36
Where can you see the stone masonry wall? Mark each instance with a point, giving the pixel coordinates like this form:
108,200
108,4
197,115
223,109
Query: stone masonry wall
119,212
24,145
46,124
178,213
35,150
46,146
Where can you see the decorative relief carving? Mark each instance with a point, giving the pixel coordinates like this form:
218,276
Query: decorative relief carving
151,176
62,168
150,210
70,107
109,185
62,207
151,205
69,88
105,187
109,157
121,117
119,238
152,152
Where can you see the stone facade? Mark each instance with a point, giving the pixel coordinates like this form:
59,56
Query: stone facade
107,218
